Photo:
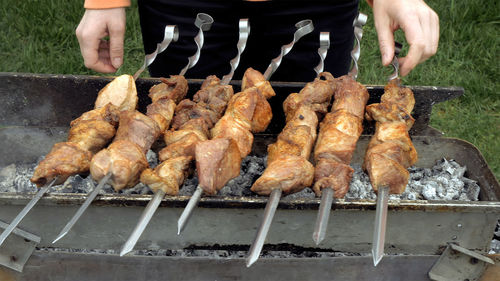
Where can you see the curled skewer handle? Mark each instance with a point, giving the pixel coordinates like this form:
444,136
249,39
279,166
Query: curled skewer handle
171,33
244,26
303,28
324,45
395,63
358,34
204,23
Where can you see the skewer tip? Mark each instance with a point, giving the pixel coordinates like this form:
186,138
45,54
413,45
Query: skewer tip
252,259
125,250
317,238
61,235
376,257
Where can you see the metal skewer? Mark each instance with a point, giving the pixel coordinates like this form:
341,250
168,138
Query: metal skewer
383,192
324,45
171,33
24,211
258,242
303,28
204,23
83,207
327,194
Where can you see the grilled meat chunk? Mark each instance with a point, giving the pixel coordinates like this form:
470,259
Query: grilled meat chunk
87,135
121,92
190,126
288,167
124,159
390,151
64,160
338,135
162,112
137,128
174,88
168,176
253,78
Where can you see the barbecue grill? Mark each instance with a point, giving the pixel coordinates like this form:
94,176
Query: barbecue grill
37,110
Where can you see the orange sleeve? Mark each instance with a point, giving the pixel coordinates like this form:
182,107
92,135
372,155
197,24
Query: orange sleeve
105,4
370,2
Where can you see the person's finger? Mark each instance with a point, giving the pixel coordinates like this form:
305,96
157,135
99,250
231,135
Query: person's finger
434,32
414,37
385,39
116,37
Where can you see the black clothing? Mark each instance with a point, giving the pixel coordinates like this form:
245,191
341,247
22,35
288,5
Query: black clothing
272,24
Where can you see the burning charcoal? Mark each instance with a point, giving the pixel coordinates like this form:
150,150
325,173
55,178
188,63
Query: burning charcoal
189,186
304,193
152,159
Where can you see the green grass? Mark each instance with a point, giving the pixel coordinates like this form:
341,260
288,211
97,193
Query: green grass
38,37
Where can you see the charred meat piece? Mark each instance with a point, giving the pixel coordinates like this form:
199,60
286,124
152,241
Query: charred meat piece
174,88
121,92
338,135
390,151
124,159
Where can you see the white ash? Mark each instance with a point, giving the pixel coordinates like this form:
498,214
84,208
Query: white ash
444,181
211,253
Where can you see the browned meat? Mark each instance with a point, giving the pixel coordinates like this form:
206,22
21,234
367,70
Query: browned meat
64,160
167,176
290,173
121,92
161,112
338,135
229,127
217,162
288,167
190,126
95,128
174,88
124,159
390,151
208,103
137,128
298,136
253,78
187,110
316,94
183,141
87,135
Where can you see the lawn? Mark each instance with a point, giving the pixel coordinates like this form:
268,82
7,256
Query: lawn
38,37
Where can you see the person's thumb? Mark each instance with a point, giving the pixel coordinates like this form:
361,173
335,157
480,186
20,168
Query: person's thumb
116,37
385,41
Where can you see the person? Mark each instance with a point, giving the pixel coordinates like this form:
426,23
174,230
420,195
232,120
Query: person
272,25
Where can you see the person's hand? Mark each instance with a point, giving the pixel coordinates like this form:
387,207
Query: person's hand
98,54
419,23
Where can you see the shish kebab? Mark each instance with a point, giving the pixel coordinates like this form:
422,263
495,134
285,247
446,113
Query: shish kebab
390,151
87,135
123,161
190,125
218,160
288,168
337,138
